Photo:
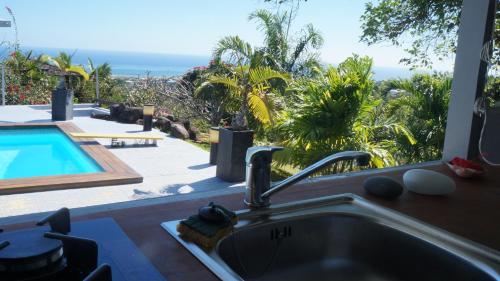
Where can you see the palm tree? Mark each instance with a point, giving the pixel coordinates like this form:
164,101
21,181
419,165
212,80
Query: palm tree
104,70
248,81
423,108
286,53
336,112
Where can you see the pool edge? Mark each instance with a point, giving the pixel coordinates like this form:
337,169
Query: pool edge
115,171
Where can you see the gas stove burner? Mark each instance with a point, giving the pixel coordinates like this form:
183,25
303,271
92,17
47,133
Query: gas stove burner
29,251
41,255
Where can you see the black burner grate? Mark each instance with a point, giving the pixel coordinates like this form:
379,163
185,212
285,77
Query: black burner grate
41,255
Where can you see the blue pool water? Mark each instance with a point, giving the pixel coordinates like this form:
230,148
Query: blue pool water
33,152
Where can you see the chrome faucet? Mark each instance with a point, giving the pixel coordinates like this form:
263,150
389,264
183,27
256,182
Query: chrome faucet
258,172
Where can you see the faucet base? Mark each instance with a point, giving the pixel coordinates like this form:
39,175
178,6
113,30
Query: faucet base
257,205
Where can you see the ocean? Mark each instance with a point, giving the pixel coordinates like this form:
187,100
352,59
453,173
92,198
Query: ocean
167,65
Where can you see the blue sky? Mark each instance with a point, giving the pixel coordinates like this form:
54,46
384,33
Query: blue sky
183,26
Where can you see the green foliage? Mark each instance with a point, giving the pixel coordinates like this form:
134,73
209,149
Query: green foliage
25,82
110,89
249,81
492,89
79,84
251,86
253,77
84,84
218,99
423,108
78,69
287,53
429,27
336,113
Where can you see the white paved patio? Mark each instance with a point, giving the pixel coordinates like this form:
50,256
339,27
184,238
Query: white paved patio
174,167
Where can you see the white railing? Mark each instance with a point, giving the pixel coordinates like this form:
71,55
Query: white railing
3,84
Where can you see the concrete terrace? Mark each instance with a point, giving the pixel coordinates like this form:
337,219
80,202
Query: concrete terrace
174,167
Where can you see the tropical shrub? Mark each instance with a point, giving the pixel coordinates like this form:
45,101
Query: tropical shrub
248,81
110,89
217,97
25,82
423,108
336,112
492,89
79,82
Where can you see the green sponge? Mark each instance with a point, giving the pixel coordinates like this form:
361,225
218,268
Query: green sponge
208,226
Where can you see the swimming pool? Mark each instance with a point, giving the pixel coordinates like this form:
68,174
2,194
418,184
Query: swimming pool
41,151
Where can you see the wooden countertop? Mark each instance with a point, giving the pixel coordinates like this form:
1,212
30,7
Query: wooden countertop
472,211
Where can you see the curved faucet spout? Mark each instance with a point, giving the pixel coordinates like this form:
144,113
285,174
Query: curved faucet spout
258,185
362,159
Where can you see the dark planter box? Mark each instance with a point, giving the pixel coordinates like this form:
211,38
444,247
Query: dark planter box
231,152
213,153
214,143
62,104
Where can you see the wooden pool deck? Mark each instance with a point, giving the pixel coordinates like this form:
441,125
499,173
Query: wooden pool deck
115,172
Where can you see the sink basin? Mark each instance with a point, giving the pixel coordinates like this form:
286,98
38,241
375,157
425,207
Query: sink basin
342,238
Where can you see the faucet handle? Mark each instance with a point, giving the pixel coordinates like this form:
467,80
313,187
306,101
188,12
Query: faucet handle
256,151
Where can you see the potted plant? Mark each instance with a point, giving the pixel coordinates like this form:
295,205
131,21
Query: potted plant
69,76
231,151
62,102
249,82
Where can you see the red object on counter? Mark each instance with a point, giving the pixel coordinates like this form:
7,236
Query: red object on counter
457,161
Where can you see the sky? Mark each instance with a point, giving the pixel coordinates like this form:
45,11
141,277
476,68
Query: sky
190,27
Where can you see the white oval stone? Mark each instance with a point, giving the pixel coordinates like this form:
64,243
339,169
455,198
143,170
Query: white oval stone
428,182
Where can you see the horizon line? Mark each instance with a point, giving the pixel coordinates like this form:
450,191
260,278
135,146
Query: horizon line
75,50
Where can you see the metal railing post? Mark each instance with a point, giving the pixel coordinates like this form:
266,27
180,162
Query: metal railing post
3,84
97,86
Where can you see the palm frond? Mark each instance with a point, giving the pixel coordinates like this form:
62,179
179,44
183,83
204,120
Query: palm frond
238,50
228,82
64,60
310,38
260,106
275,29
91,65
264,74
46,59
79,70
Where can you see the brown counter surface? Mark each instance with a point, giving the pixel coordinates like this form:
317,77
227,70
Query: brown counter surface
472,211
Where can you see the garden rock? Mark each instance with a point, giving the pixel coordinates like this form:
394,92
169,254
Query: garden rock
186,124
178,131
193,133
116,110
101,116
139,122
171,118
130,115
163,124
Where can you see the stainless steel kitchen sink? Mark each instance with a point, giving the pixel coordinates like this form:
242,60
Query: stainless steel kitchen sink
342,238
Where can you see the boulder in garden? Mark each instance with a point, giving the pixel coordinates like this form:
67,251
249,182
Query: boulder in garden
178,131
115,110
163,124
130,115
